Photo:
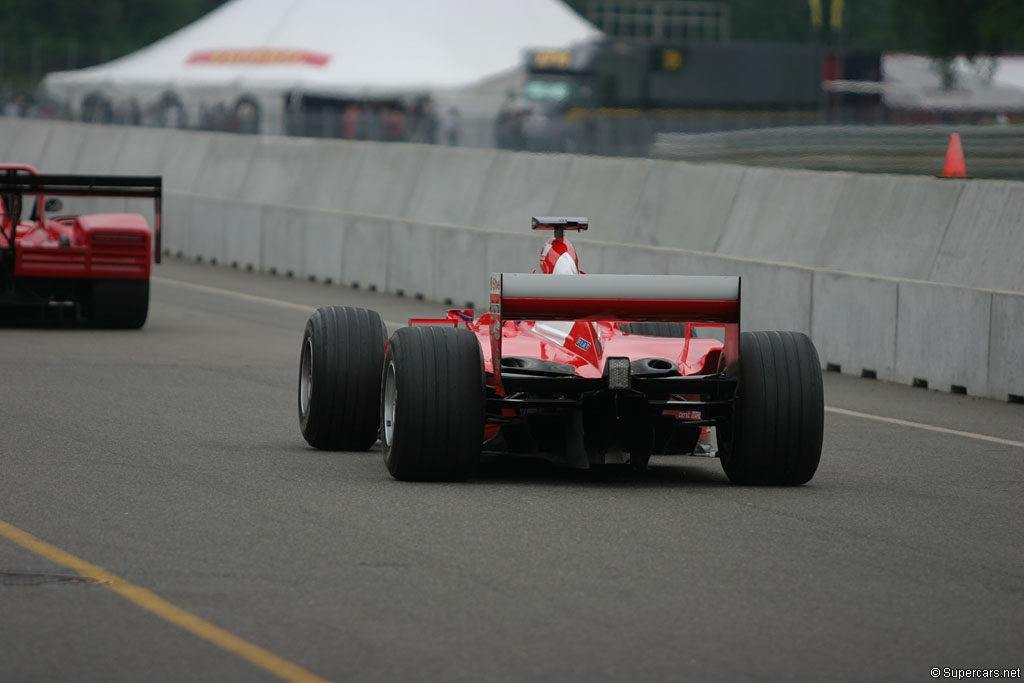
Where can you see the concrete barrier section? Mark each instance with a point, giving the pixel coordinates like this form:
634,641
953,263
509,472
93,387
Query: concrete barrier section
278,171
460,267
888,225
386,178
176,220
831,254
226,164
367,252
334,170
243,226
60,152
26,140
984,246
772,297
142,151
100,148
518,186
410,252
853,322
775,298
281,234
323,244
621,258
607,191
942,337
780,216
1006,352
208,226
449,185
683,205
184,159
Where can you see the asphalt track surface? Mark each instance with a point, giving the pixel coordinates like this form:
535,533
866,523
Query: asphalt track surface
170,460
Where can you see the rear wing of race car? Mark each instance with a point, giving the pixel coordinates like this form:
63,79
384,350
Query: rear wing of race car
669,298
46,185
559,224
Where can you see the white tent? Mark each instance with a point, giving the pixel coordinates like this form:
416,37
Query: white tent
266,49
912,82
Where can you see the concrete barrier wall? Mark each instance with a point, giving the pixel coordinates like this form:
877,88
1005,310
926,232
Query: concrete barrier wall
909,279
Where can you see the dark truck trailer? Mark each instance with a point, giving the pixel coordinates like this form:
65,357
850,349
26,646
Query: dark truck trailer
612,96
620,74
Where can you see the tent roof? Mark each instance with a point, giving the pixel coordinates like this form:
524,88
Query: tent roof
336,47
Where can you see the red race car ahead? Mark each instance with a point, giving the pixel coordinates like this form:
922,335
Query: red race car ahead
587,369
94,267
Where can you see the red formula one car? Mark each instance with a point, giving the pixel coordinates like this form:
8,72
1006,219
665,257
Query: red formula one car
587,369
89,267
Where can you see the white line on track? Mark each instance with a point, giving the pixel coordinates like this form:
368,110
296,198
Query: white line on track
251,297
926,427
393,325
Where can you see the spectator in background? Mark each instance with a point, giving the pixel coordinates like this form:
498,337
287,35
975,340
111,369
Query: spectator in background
171,115
393,125
451,127
371,122
248,117
134,112
351,120
15,107
425,123
121,112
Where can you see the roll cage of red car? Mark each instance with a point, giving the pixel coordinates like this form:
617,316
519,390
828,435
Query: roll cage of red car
20,180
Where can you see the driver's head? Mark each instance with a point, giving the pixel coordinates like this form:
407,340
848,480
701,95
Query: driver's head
559,258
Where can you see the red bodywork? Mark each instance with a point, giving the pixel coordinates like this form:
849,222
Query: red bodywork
532,318
53,260
108,246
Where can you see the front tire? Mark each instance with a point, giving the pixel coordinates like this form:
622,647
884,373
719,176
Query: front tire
339,378
432,404
778,421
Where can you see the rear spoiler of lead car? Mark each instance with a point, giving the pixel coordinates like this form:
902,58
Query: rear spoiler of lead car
669,298
40,185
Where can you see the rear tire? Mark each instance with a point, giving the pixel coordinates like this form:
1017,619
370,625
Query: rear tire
339,378
120,304
432,404
778,421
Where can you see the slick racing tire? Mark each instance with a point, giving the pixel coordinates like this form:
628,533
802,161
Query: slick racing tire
776,431
432,404
120,304
656,329
339,378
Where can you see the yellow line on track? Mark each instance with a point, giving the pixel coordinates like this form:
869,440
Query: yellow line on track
153,603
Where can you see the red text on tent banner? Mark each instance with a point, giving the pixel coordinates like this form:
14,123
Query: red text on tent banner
258,55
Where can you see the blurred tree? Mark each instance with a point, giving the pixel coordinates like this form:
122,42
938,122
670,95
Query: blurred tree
37,36
946,28
943,27
864,23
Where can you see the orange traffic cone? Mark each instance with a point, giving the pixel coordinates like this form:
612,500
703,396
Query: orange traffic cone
955,166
